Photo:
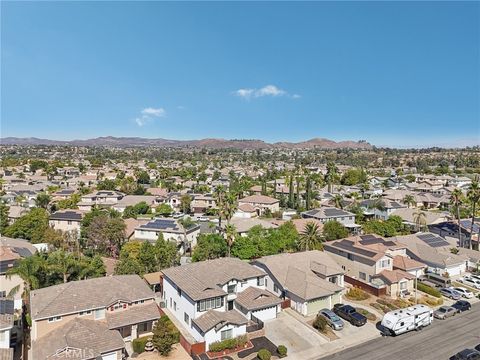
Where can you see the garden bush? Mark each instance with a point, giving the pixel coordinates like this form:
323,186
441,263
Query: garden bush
264,354
320,324
367,314
357,294
282,350
429,290
138,344
228,343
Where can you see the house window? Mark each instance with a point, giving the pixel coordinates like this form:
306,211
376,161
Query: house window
99,314
54,319
232,289
350,256
179,292
208,304
362,275
333,279
170,302
144,327
83,313
69,223
260,281
186,318
226,334
385,263
266,282
403,285
275,288
174,306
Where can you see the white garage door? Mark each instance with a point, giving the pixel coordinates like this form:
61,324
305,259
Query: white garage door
266,314
109,356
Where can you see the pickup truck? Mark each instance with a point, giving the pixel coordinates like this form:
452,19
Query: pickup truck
349,313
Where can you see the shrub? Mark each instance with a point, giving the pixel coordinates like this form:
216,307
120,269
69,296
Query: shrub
264,354
165,334
282,350
367,314
357,294
320,324
228,343
429,290
138,345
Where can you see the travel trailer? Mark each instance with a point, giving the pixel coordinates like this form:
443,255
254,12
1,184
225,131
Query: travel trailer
402,320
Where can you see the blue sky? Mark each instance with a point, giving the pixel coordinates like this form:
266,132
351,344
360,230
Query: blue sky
403,74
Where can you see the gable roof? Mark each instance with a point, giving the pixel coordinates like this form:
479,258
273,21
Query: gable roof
326,213
259,199
213,318
253,298
203,280
88,294
303,273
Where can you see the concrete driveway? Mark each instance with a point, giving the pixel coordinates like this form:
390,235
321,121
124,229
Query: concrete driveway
295,335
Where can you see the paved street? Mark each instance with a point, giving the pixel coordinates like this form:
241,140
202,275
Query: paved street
438,341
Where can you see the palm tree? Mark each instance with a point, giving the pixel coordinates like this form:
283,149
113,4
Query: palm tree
338,201
473,196
420,219
456,200
219,195
28,269
331,175
230,234
229,207
310,238
409,200
62,262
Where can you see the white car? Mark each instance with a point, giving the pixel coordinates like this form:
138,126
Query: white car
465,292
470,281
475,276
202,218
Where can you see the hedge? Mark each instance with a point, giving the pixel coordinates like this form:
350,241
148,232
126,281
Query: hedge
282,350
264,354
228,343
138,344
429,290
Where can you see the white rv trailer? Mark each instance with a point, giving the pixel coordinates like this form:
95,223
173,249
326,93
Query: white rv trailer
402,320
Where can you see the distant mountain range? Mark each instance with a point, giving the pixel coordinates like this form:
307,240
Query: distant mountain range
202,143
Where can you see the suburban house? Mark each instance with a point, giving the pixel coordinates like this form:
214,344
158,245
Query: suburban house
7,326
311,280
67,221
261,203
325,214
171,229
430,218
63,194
96,316
434,251
11,251
201,202
368,259
102,198
243,225
245,211
217,299
388,207
132,200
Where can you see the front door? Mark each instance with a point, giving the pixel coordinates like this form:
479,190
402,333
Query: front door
230,305
126,332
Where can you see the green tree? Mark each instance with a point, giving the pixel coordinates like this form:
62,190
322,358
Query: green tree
209,246
106,184
28,269
420,219
333,230
105,235
409,200
230,234
42,200
164,210
310,237
456,200
30,226
165,335
331,176
4,211
473,195
185,202
63,263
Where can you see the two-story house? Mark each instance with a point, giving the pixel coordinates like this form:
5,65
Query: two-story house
201,202
311,280
261,203
369,259
67,221
94,316
132,200
102,198
216,299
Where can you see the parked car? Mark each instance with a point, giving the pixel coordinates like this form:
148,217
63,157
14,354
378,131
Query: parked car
332,319
349,313
467,354
470,281
202,218
450,293
444,312
467,294
462,305
475,276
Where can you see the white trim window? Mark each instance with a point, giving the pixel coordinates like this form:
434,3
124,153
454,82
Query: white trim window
226,334
99,314
54,319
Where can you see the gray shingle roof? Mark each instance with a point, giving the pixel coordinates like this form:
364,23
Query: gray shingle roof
88,294
253,298
90,336
203,280
134,315
213,318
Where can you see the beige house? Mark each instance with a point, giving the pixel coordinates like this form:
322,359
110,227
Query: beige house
95,316
201,202
261,203
67,221
103,198
369,259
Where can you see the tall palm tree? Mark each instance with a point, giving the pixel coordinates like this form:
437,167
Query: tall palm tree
337,200
331,175
229,207
310,238
62,262
230,234
473,196
409,200
219,195
28,269
420,219
456,200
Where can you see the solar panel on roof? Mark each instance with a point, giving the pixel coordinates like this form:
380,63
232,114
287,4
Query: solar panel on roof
23,252
334,212
6,306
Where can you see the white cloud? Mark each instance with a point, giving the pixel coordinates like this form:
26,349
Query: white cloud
148,115
267,90
160,112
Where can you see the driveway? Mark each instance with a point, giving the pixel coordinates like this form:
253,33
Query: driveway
296,336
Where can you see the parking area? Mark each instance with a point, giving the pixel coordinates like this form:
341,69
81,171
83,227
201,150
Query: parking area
304,342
